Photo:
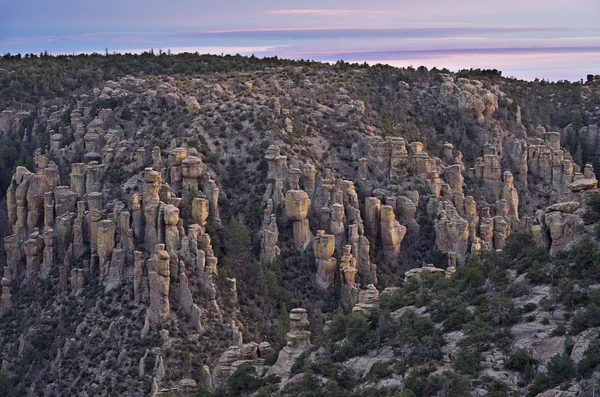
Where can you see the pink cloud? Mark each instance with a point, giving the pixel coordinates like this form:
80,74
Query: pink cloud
320,12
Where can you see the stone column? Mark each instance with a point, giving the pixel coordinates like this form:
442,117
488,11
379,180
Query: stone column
79,246
156,158
78,172
48,256
151,206
486,226
372,210
277,164
6,299
77,281
95,201
510,194
309,173
138,273
212,192
294,178
336,225
20,227
11,202
14,256
159,282
297,204
64,199
32,263
95,216
172,237
114,276
348,271
192,170
323,248
105,243
124,235
49,209
93,177
392,234
269,250
200,210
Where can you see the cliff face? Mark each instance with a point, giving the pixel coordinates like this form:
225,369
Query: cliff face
165,225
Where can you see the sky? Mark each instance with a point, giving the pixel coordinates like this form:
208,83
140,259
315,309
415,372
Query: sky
527,39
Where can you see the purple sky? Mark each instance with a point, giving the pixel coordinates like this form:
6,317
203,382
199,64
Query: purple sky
549,39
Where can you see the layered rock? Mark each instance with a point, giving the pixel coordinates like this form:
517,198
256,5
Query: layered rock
372,210
297,204
151,203
31,248
105,243
392,234
269,250
368,298
348,270
200,211
6,298
159,310
212,193
451,231
337,226
48,254
77,281
172,237
298,341
277,164
562,226
323,248
138,276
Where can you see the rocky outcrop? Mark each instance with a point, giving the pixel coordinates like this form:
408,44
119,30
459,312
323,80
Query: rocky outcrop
298,341
392,234
151,201
323,248
348,270
159,283
510,194
562,225
277,164
269,250
451,231
297,204
372,210
105,243
6,298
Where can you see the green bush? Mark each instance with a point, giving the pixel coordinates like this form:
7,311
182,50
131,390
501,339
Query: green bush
591,358
466,362
522,362
560,369
243,381
5,385
380,370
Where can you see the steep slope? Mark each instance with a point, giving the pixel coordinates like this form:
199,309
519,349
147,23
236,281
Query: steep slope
163,231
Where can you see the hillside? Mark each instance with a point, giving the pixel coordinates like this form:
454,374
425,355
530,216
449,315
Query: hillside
199,225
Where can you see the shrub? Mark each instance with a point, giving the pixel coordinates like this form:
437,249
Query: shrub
243,380
561,368
591,359
592,214
466,362
520,360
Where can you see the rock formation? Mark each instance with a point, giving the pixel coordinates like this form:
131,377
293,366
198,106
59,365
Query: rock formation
323,248
269,250
392,234
297,204
159,282
298,341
